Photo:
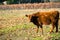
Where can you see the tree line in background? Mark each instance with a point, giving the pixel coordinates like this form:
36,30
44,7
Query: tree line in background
20,1
24,1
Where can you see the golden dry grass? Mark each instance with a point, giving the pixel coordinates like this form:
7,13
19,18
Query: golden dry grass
15,26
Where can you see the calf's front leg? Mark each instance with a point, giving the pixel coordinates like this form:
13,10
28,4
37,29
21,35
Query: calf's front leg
52,28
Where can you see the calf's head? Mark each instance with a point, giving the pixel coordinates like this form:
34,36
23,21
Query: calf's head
31,17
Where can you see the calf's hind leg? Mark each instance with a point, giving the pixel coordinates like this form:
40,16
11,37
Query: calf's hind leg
56,24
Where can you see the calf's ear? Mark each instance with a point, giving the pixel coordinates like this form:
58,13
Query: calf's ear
26,15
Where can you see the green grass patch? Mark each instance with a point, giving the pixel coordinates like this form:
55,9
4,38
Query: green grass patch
37,38
12,28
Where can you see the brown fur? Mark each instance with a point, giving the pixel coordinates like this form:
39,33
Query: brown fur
45,18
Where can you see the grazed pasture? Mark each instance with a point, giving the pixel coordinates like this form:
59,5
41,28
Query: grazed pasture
15,26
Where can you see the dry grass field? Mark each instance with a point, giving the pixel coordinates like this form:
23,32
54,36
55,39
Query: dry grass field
15,26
